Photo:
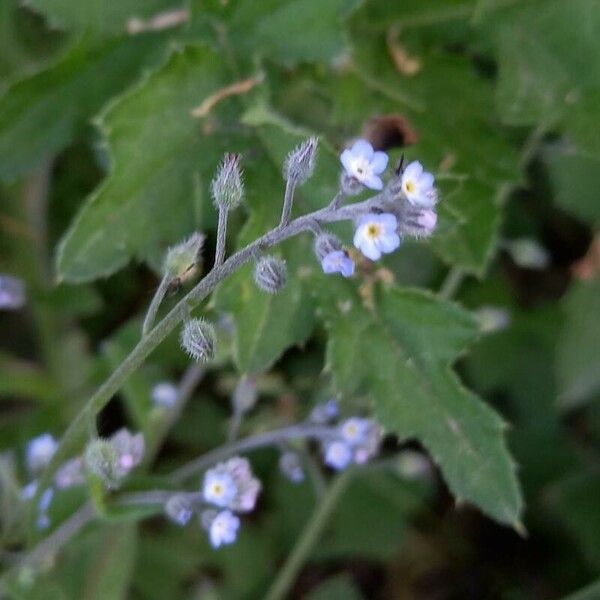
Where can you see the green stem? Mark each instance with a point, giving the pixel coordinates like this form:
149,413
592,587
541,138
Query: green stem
451,283
310,536
157,299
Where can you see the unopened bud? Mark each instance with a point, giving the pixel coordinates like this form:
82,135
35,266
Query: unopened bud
181,260
417,222
291,467
179,509
199,340
270,274
349,185
101,459
228,187
300,162
245,395
326,243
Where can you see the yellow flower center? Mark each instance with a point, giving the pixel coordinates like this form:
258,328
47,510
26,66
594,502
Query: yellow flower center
217,489
410,187
373,230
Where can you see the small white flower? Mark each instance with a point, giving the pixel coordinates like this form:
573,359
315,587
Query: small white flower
355,430
364,164
40,451
376,235
338,261
223,530
418,186
219,488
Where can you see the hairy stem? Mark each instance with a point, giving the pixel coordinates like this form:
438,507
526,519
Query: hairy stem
75,433
221,237
288,201
310,536
254,442
157,299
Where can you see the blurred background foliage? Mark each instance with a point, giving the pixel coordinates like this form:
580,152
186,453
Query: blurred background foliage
102,167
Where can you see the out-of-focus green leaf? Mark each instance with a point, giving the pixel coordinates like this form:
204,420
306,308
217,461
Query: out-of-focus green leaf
286,30
40,115
575,180
399,354
549,73
575,501
336,588
156,147
97,16
578,358
20,379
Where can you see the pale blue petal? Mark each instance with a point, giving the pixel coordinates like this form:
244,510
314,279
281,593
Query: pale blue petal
373,182
379,162
362,148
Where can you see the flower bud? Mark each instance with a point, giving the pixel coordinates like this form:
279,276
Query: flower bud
270,274
326,243
349,185
300,162
198,339
527,253
245,395
227,186
181,260
101,459
291,467
417,222
179,509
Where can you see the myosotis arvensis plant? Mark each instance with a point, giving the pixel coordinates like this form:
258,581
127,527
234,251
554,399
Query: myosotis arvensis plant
404,206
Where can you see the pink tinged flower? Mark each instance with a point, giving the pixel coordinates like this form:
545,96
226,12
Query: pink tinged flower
365,165
338,261
223,529
427,220
418,186
376,235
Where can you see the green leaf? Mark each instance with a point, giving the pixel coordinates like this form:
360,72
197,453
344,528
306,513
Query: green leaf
288,31
97,16
577,356
156,149
340,587
41,114
398,354
575,180
549,68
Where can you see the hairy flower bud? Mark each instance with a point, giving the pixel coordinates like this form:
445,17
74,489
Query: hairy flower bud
101,458
300,162
198,339
227,187
179,509
182,260
270,274
326,243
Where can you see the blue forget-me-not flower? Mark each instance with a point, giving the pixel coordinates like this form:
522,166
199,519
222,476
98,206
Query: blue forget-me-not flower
418,185
365,165
376,235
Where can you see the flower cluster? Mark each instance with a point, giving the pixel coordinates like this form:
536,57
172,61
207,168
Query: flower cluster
407,207
357,442
228,489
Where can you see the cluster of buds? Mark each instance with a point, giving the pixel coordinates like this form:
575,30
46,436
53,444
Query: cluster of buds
228,489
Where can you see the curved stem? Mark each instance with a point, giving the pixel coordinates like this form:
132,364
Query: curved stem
157,299
250,443
75,433
310,536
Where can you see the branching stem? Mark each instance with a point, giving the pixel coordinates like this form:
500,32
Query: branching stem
161,291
